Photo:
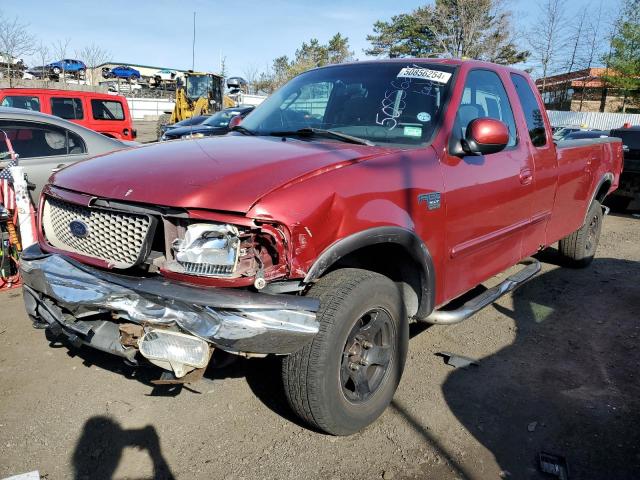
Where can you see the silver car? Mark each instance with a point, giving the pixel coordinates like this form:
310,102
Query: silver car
45,144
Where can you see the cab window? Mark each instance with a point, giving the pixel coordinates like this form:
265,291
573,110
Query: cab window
22,101
531,109
67,108
484,96
32,139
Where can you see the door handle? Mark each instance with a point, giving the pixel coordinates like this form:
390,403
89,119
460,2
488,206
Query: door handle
526,177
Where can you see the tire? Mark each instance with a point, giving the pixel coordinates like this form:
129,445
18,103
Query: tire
56,70
579,248
325,382
162,120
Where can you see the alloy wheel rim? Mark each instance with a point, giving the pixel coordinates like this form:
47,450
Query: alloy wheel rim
367,355
592,233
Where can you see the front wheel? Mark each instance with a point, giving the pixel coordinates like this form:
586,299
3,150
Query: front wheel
347,376
579,248
162,121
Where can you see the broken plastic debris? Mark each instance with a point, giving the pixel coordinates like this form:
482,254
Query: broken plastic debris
457,361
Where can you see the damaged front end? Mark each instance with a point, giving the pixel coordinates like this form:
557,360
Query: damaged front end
171,324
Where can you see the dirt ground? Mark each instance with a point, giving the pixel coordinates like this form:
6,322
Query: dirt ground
558,372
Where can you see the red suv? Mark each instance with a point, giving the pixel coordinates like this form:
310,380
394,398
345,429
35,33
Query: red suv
106,114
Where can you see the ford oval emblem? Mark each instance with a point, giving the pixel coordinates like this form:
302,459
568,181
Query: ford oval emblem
78,228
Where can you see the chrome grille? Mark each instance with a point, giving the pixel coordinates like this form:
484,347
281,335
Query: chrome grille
112,236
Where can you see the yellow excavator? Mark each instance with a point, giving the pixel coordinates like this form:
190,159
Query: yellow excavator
198,94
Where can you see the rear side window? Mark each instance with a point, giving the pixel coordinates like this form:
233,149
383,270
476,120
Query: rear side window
67,108
33,139
107,110
22,101
531,109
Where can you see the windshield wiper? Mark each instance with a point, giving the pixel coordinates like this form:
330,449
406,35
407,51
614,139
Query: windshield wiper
319,132
241,129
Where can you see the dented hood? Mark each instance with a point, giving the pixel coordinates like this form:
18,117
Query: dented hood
228,173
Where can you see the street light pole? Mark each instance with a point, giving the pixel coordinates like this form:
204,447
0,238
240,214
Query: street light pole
193,46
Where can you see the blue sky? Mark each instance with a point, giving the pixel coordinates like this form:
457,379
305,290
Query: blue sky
251,33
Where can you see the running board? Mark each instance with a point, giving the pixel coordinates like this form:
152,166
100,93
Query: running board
450,317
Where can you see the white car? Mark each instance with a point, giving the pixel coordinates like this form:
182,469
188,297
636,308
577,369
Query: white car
166,75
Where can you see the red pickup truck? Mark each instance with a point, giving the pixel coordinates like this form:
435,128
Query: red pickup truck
355,199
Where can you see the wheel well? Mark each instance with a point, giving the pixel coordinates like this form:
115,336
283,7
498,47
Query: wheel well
393,261
603,190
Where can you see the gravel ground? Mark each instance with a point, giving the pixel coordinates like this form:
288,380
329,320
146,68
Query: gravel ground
558,372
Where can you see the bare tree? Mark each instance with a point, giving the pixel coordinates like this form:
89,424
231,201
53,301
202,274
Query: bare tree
594,42
251,73
15,42
93,56
545,37
42,55
576,41
60,48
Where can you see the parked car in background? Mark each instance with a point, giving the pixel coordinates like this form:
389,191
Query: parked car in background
216,124
629,188
121,87
586,134
318,229
12,66
165,74
561,132
67,65
195,120
46,144
39,72
106,114
123,71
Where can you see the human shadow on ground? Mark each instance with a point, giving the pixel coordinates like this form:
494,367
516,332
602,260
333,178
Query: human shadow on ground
100,447
568,384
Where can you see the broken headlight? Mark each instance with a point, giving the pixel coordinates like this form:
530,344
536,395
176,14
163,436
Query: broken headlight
207,249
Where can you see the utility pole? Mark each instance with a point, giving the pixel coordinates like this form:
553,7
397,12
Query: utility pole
193,46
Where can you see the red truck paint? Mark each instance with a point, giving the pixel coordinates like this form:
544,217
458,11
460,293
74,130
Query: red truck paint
121,129
496,209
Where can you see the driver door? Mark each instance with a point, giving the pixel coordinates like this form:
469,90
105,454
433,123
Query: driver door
488,197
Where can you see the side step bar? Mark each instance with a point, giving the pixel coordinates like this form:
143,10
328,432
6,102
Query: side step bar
450,317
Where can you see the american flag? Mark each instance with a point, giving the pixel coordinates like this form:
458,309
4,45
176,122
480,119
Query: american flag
7,195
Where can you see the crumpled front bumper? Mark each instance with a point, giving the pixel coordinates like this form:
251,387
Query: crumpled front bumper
87,304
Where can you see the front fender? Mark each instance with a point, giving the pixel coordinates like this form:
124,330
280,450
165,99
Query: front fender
407,239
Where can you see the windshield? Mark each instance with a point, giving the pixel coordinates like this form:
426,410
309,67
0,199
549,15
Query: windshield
221,119
198,86
385,103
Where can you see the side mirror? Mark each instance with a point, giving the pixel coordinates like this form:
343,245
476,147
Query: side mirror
235,121
485,136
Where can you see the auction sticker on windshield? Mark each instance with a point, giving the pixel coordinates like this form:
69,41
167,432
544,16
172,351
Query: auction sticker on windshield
424,74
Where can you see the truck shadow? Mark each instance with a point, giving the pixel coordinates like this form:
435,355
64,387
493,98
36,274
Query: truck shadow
102,443
568,384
